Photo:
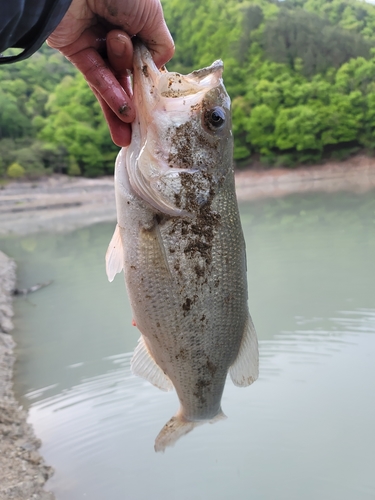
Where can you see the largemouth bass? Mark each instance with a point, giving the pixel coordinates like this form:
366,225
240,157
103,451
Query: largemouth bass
180,243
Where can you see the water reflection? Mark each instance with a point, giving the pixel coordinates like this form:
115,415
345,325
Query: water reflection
298,412
304,430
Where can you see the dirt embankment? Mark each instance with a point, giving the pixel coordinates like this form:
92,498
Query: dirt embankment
61,203
356,175
22,470
57,203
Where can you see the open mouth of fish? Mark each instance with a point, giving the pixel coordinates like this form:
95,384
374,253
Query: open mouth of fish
179,123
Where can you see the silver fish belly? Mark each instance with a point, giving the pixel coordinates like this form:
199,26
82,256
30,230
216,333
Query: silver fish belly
180,243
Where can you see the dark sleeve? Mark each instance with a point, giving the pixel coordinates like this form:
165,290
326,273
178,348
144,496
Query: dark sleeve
26,24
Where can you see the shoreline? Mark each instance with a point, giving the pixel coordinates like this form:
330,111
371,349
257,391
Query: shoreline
61,203
23,471
355,175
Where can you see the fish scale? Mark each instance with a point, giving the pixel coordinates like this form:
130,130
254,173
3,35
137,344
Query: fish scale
180,243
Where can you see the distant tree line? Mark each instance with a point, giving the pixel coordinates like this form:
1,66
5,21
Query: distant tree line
50,121
301,74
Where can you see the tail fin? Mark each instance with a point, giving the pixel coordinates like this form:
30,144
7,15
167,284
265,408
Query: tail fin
177,427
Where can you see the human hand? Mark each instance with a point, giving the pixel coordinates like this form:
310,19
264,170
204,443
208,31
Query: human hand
92,28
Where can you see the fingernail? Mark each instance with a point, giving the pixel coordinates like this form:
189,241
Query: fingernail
117,45
124,109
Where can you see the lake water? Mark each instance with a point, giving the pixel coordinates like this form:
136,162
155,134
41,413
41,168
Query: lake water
304,430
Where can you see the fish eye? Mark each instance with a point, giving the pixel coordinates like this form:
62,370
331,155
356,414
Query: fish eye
214,118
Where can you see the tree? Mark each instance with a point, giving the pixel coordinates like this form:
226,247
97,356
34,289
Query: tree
312,39
75,123
15,171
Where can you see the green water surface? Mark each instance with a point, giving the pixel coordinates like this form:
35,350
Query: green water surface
304,431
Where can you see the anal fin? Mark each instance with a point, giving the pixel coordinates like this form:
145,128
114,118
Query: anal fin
144,365
245,370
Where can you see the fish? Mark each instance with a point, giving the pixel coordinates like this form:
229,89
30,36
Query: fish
180,243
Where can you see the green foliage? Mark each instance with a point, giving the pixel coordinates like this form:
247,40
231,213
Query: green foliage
301,75
13,122
73,169
319,45
50,120
75,122
15,171
37,158
355,16
252,18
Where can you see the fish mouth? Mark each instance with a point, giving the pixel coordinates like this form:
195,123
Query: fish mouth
166,104
152,85
145,73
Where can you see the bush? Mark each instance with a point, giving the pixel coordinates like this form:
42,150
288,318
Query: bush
73,169
15,171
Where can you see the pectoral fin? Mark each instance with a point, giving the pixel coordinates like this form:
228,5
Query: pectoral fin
245,369
114,258
144,365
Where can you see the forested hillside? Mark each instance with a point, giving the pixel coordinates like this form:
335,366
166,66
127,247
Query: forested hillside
50,121
301,74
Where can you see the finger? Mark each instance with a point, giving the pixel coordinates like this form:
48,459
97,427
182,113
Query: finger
119,51
120,58
143,18
120,131
159,41
100,77
117,87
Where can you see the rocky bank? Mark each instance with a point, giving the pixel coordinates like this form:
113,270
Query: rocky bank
23,472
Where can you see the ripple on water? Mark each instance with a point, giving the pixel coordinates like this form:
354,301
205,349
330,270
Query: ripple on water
303,431
100,419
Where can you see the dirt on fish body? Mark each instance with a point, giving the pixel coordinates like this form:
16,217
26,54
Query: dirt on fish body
180,243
